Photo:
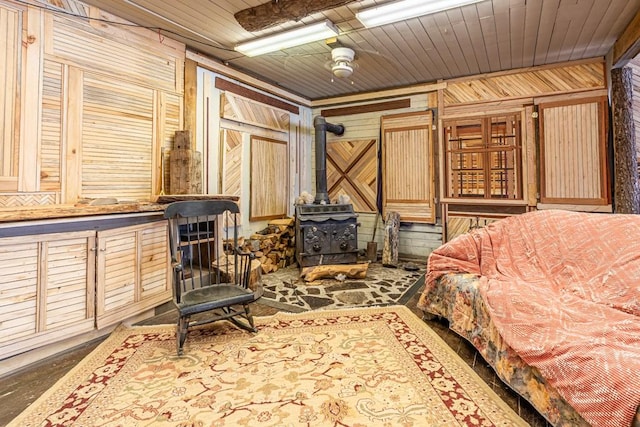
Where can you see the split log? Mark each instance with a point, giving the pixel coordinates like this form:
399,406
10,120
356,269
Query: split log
353,271
273,13
182,140
283,222
391,233
273,245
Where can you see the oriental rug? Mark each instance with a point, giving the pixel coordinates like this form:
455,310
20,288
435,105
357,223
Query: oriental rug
379,366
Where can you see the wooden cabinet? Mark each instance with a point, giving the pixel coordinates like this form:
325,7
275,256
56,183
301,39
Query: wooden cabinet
461,218
132,271
457,225
47,285
59,285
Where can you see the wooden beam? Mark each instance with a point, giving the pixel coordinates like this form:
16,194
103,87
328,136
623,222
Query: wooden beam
31,112
367,108
72,179
226,85
190,97
225,70
273,13
381,94
628,44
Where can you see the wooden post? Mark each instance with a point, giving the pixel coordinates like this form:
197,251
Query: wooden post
625,161
391,233
190,96
185,166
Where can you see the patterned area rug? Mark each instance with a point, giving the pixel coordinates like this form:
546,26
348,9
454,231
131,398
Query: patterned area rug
284,289
379,366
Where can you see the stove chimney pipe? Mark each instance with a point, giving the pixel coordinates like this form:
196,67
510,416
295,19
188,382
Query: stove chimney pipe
321,128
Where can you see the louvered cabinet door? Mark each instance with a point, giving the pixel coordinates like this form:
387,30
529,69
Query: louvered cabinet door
46,289
573,152
408,180
131,271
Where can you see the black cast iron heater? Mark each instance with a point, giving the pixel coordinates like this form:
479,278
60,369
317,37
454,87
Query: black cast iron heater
325,233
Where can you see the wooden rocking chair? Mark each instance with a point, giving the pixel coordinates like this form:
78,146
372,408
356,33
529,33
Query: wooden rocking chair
210,271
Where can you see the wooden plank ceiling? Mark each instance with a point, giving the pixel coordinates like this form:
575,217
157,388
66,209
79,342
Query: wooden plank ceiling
489,36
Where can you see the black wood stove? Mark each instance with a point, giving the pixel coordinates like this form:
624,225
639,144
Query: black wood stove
325,233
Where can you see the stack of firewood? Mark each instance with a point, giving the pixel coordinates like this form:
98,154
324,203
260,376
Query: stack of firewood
274,246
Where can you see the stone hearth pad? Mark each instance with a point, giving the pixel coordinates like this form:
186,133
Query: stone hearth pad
284,289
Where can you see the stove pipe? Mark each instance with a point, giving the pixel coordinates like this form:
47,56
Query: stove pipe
321,128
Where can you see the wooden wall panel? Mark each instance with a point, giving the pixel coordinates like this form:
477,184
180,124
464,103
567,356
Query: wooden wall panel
51,127
362,123
243,110
117,135
10,54
171,116
231,164
81,44
269,179
572,152
352,169
8,200
526,83
48,79
408,166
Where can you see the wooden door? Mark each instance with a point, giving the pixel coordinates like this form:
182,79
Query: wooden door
46,289
573,158
352,169
132,273
408,179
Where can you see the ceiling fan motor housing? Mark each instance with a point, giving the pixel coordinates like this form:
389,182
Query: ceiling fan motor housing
342,58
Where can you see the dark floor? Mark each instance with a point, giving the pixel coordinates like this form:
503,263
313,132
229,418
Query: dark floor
19,390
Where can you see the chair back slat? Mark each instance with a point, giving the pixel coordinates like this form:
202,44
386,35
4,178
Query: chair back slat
203,241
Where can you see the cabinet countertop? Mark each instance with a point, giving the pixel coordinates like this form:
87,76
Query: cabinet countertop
29,213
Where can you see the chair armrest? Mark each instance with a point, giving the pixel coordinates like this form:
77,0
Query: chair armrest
243,266
241,252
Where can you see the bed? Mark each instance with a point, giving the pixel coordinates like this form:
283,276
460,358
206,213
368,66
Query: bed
551,300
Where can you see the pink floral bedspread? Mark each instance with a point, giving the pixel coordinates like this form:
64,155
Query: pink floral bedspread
563,290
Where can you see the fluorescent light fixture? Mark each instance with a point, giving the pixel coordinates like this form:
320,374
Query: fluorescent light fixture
406,9
299,36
